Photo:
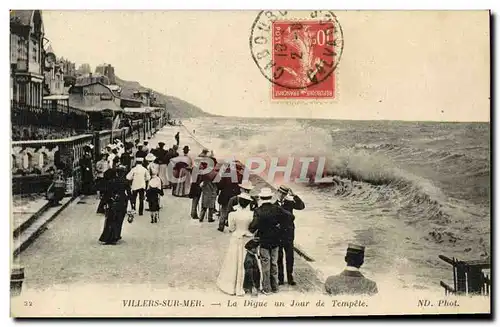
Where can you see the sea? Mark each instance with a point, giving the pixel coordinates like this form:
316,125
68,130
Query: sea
407,191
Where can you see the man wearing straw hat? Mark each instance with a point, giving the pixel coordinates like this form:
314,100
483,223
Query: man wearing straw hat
267,220
289,201
351,281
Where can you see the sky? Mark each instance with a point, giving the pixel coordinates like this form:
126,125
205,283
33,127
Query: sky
396,65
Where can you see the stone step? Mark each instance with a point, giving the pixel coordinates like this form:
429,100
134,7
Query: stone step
25,237
24,224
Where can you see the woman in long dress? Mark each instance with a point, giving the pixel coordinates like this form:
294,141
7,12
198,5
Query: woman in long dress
116,199
184,165
232,272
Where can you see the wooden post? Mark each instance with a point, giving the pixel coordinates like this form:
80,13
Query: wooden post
97,146
474,280
16,280
461,278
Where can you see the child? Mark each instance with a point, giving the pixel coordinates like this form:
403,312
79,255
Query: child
251,282
100,167
57,189
153,193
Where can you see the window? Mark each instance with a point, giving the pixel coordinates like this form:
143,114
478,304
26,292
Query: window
21,48
34,51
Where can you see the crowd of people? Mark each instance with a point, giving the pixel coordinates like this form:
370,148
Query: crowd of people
260,254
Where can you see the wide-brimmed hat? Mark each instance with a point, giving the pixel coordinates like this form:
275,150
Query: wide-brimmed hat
245,196
266,195
185,148
150,157
246,185
145,142
284,189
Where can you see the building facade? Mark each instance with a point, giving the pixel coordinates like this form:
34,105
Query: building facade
84,69
92,78
53,73
147,97
108,71
26,57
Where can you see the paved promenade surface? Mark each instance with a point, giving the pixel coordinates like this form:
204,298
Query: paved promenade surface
178,252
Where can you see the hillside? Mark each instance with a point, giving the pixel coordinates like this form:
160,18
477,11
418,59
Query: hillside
177,108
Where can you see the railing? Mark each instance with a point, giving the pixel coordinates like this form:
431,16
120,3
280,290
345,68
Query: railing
469,277
23,114
34,161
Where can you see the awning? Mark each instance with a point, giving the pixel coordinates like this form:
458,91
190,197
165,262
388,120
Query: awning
140,110
99,106
56,97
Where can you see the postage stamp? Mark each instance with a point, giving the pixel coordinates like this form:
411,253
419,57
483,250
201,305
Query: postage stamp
298,52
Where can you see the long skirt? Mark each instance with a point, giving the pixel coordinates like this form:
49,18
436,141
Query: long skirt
113,225
232,272
183,187
163,175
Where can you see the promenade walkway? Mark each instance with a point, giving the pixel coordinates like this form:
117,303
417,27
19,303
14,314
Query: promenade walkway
178,252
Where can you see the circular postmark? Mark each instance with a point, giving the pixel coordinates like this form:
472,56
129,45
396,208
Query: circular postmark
296,49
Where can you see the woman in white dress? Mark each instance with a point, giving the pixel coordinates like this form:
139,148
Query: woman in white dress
232,272
184,165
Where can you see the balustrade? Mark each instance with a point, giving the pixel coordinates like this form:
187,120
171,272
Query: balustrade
34,161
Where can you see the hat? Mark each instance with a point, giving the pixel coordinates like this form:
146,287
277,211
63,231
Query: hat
247,185
161,144
137,140
284,189
204,151
266,195
150,157
245,196
355,248
145,142
175,147
121,167
185,148
139,159
252,244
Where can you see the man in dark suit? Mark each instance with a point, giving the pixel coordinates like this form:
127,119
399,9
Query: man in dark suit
268,219
351,281
140,152
126,157
288,201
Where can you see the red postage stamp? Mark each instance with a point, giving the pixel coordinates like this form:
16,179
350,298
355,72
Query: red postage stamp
298,52
303,53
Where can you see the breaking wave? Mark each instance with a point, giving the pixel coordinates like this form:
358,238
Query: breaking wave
373,176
